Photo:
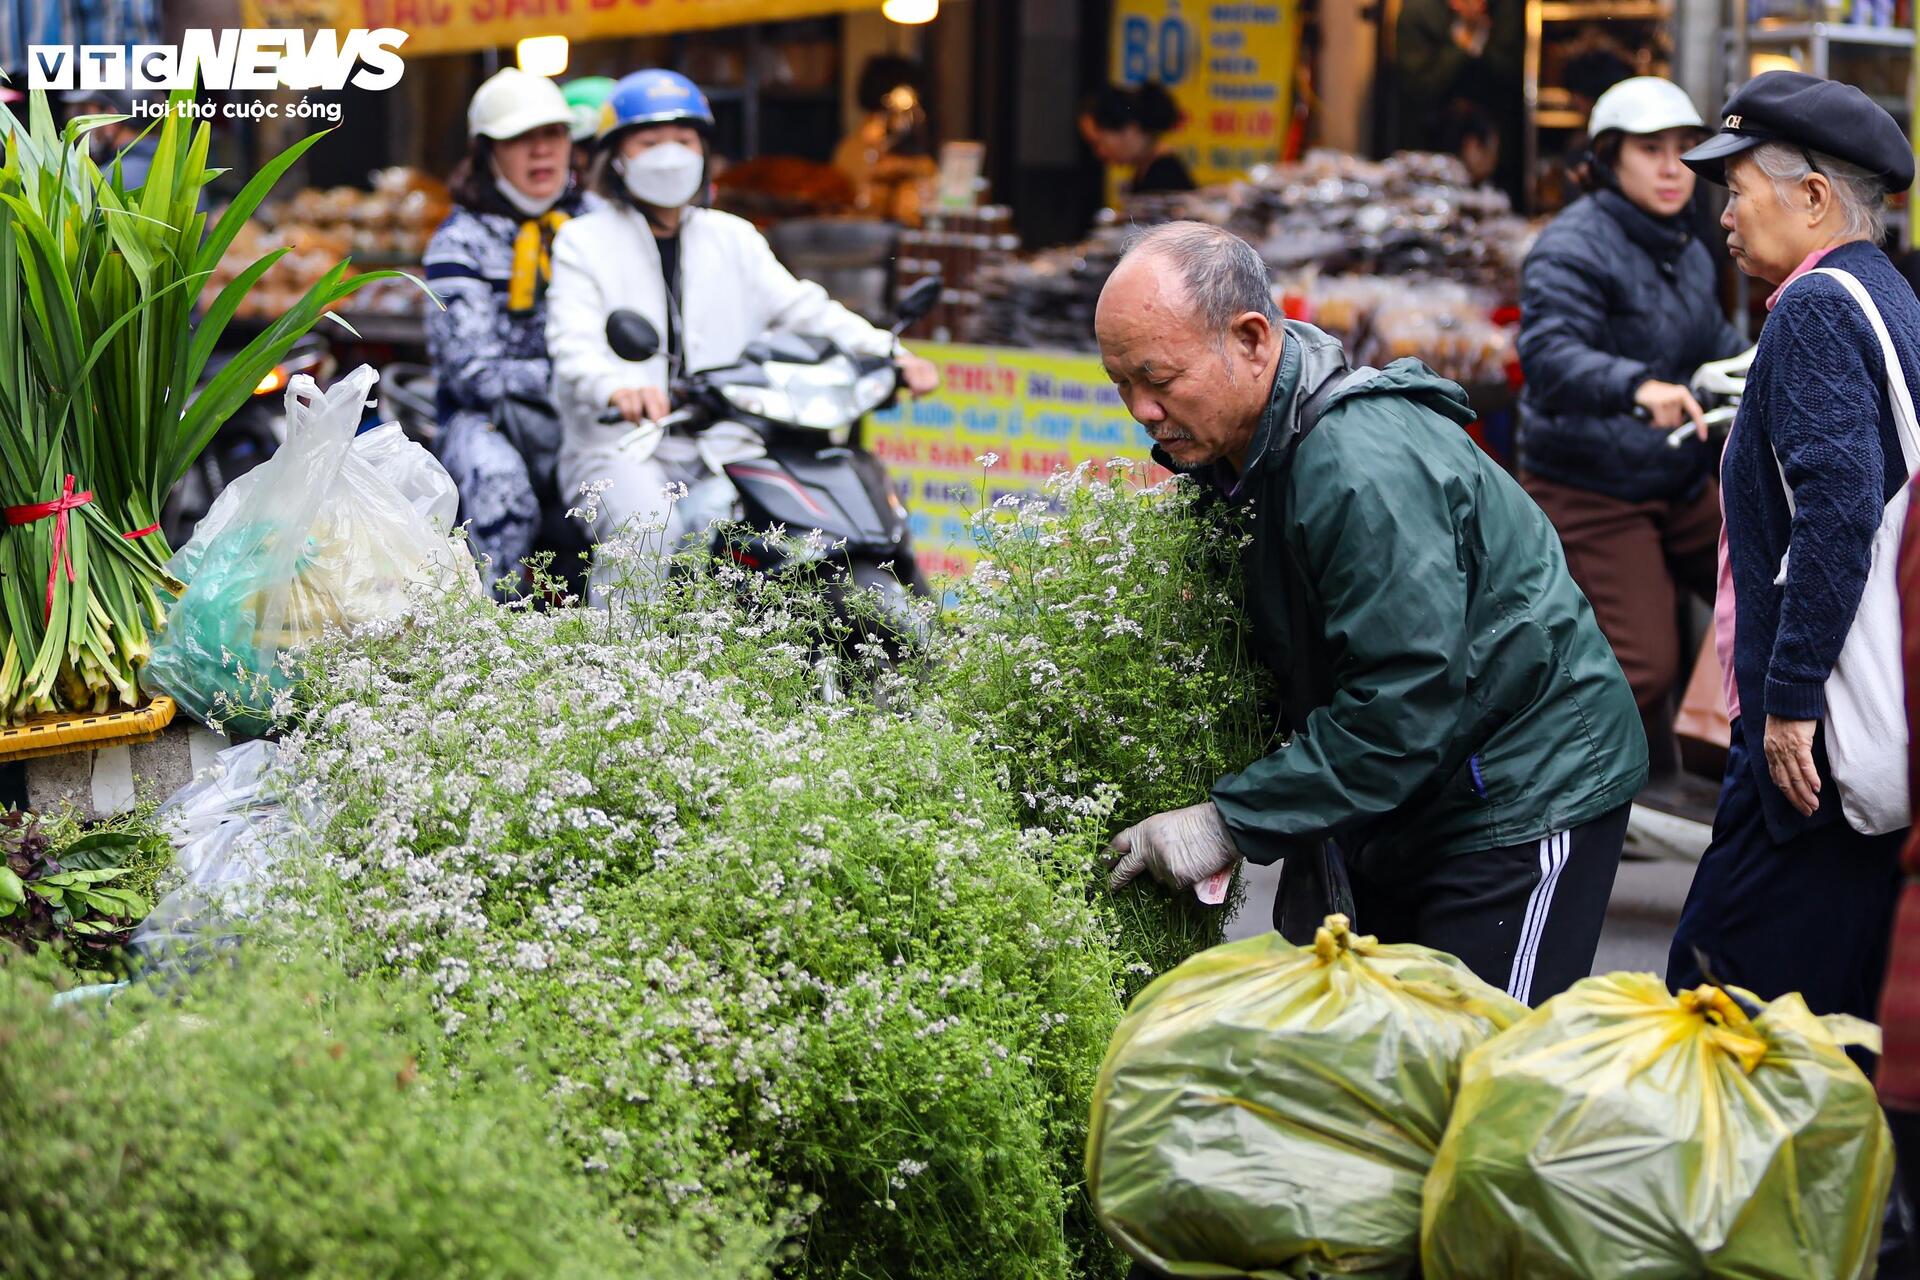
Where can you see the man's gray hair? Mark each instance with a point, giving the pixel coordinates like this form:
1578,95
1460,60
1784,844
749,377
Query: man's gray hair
1223,274
1861,196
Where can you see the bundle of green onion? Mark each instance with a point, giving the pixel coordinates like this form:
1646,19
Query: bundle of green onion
100,352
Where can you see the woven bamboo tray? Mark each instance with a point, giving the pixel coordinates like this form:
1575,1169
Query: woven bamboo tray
61,732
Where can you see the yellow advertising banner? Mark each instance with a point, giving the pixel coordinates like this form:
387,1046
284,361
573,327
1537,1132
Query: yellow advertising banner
1002,422
459,26
1229,66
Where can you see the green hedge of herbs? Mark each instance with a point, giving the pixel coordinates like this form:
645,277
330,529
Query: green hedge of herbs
1099,654
821,981
282,1125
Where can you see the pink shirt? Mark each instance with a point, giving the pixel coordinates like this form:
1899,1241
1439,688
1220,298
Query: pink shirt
1723,598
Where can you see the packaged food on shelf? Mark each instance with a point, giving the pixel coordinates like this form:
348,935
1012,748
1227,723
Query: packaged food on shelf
386,226
1399,257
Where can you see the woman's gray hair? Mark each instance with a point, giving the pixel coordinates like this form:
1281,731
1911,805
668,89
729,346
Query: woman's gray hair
1223,274
1862,197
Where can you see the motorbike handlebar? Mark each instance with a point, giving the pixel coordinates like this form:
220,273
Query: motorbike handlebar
611,417
1718,422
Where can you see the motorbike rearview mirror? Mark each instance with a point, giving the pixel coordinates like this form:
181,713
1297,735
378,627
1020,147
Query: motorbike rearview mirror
632,336
916,302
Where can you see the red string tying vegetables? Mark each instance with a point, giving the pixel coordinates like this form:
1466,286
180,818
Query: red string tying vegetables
58,509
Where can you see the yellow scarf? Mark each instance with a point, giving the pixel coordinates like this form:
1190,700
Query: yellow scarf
532,261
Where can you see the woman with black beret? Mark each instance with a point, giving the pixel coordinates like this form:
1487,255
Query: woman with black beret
1789,896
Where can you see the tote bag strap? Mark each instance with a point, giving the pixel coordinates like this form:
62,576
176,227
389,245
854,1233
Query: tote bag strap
1906,424
1897,389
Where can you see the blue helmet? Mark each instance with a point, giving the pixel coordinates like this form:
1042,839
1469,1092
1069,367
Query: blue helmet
654,96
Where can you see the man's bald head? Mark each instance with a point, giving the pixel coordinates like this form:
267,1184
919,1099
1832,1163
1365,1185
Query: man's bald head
1189,334
1216,273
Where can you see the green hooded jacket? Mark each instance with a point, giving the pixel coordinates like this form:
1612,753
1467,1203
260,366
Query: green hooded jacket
1450,689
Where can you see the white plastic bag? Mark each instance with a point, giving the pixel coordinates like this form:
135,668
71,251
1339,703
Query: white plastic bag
327,534
402,462
231,827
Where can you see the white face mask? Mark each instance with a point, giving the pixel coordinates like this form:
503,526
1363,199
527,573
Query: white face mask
520,200
666,176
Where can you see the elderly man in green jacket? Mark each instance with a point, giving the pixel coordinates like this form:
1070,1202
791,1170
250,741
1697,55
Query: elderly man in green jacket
1464,747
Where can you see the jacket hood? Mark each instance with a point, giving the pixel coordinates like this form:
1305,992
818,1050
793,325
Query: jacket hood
1408,379
1310,358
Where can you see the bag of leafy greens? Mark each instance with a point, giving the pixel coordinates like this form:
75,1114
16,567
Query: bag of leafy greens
1622,1130
1271,1110
328,534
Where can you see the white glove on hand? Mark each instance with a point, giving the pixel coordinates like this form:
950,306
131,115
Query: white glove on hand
1181,848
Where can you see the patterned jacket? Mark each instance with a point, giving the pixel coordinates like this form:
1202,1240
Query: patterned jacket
481,350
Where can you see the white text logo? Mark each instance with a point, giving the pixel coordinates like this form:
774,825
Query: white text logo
250,60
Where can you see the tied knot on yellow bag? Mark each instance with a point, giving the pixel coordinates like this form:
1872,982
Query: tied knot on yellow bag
532,261
1728,1028
1336,938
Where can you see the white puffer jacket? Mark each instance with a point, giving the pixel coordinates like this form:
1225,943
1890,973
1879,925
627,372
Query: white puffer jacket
732,289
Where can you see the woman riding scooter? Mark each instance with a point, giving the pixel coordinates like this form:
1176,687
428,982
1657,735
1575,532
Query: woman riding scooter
707,281
489,262
1619,303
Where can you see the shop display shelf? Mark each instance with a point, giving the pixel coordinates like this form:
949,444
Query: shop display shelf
1588,11
1831,33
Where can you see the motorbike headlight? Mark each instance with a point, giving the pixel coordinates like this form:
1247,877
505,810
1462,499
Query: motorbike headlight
820,397
873,389
760,402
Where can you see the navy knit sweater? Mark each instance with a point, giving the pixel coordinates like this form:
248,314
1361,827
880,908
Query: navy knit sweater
1816,396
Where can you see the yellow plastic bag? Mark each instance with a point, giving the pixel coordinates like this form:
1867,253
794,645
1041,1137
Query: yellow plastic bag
1620,1130
1270,1110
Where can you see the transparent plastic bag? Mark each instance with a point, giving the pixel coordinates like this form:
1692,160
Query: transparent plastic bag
1271,1110
327,534
1620,1130
231,827
402,462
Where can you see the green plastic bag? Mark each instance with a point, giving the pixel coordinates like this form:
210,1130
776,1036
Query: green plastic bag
1270,1110
1623,1131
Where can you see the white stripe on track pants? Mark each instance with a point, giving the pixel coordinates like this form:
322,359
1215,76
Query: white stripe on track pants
1526,917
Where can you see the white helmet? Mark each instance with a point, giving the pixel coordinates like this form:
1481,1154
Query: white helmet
1644,104
512,102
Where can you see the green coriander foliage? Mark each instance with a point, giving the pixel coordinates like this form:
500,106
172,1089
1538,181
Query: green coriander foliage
758,946
1100,650
275,1124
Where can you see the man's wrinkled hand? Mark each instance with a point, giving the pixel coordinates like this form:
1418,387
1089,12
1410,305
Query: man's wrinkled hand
1179,848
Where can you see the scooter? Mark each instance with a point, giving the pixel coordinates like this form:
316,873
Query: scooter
805,398
408,397
246,439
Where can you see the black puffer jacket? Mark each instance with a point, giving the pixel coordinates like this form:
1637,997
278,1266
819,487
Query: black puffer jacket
1611,297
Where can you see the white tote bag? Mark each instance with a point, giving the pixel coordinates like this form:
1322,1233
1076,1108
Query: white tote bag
1866,694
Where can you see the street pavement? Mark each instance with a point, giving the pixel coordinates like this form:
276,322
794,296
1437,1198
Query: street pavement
1647,895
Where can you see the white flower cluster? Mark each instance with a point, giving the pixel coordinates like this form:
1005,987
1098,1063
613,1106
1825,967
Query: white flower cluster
751,939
